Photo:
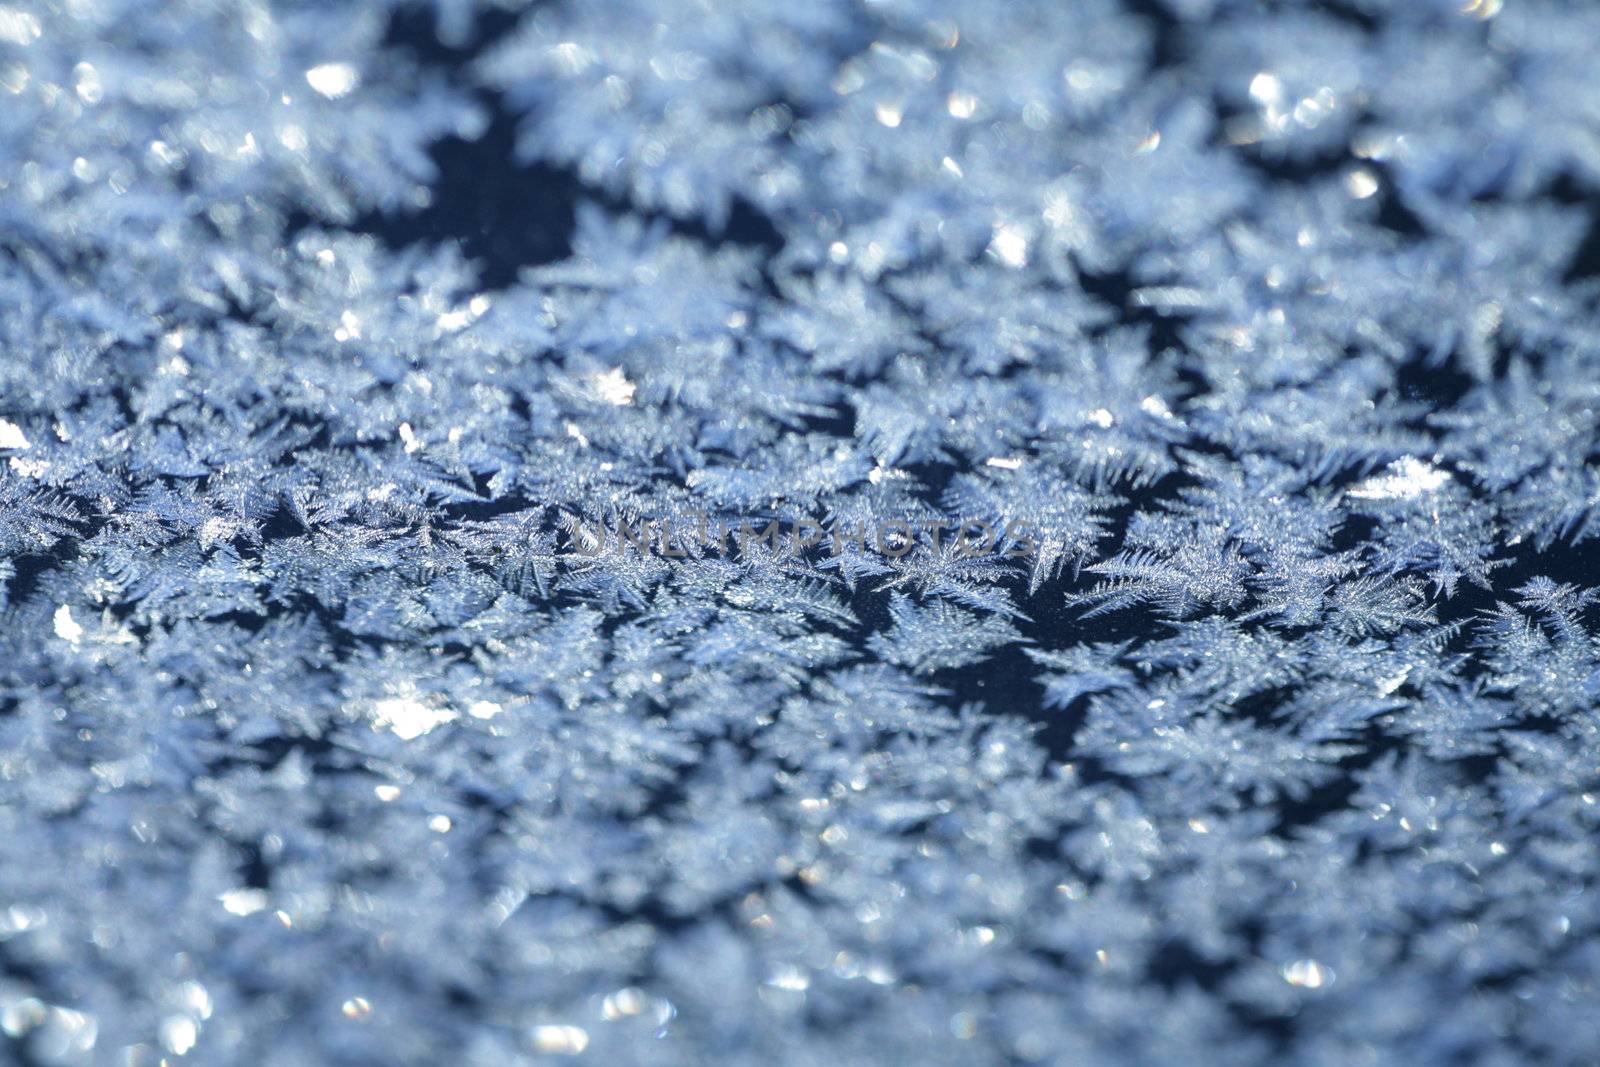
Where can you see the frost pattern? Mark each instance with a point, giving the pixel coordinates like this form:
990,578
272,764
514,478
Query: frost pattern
326,739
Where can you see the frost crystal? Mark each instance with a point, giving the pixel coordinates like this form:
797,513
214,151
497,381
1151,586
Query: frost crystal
1100,504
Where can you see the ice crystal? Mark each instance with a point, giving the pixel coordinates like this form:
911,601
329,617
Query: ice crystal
1002,532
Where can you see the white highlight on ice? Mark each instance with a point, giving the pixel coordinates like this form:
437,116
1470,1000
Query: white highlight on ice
1402,480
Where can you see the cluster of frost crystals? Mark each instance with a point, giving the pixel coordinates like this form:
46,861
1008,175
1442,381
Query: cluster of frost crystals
330,735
